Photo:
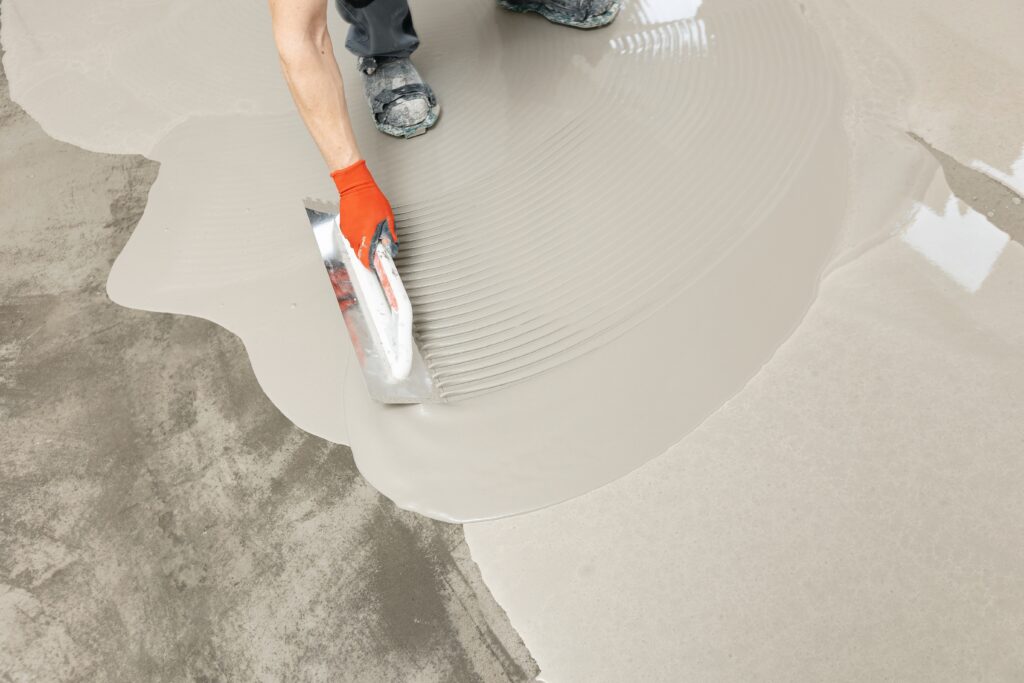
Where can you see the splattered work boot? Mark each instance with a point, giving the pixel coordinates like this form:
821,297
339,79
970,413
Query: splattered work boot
402,104
577,13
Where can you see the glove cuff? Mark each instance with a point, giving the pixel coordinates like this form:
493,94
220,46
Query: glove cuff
353,177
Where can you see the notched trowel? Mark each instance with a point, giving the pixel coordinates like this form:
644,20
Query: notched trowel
377,312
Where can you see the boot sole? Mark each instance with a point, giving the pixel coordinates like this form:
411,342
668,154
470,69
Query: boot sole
412,131
557,17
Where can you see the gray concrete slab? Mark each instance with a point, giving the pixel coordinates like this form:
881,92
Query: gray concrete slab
159,518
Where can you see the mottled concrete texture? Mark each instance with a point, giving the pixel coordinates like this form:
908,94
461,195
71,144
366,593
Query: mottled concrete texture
159,518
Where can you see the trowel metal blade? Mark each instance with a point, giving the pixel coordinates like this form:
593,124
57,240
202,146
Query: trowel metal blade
367,337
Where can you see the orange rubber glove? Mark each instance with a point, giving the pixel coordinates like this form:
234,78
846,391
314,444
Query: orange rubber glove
364,211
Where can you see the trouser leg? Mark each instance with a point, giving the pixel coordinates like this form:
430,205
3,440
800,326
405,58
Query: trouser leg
379,28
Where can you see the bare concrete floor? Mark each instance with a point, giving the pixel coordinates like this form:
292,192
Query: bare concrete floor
159,518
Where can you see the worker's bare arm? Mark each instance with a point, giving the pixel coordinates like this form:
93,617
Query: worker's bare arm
307,58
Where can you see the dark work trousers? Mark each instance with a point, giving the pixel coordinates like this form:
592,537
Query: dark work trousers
378,28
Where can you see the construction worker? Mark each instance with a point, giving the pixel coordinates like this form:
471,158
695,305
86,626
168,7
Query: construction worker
402,104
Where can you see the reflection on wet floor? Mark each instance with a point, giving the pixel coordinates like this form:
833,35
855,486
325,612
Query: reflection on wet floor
666,11
1013,178
666,27
688,37
959,240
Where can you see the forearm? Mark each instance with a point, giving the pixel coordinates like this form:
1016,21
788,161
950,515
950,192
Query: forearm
312,74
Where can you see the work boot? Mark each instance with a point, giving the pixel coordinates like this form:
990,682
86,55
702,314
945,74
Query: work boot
402,104
577,13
